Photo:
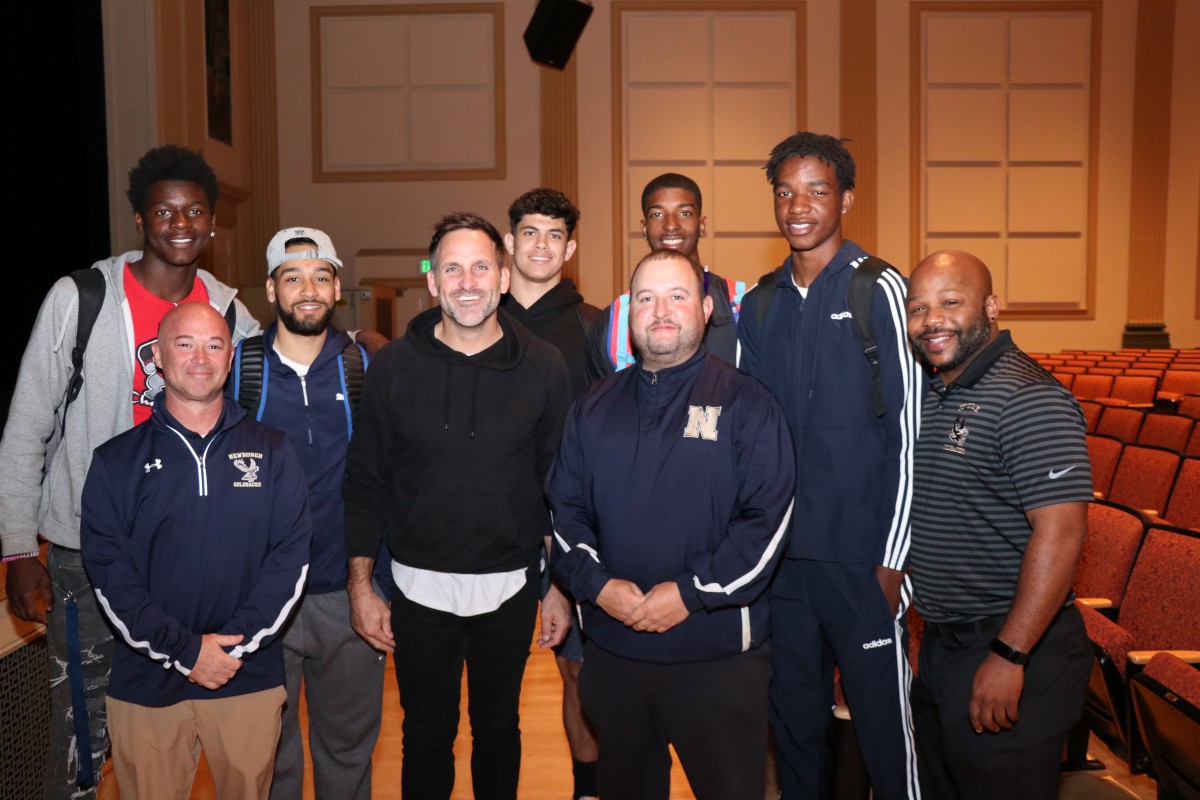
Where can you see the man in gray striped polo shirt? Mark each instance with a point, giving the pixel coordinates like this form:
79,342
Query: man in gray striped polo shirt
1001,486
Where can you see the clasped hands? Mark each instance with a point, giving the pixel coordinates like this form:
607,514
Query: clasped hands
656,611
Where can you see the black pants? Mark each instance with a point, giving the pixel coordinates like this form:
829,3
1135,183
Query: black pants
713,712
431,648
1022,762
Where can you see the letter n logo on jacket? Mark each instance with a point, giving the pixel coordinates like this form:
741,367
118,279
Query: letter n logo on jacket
702,423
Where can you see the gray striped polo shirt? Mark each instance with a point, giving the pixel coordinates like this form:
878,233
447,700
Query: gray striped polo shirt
1003,439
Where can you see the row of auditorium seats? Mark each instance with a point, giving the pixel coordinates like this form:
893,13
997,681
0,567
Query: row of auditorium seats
1139,597
1154,480
1159,378
1178,432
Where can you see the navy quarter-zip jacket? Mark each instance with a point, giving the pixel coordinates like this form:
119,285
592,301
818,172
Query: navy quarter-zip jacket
681,475
185,535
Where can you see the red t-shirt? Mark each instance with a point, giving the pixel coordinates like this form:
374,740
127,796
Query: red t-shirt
147,310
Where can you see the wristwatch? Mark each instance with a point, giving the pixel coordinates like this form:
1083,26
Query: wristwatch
1009,653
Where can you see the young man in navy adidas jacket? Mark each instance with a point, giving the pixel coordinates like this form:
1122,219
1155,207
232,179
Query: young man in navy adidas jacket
195,532
841,594
307,389
671,496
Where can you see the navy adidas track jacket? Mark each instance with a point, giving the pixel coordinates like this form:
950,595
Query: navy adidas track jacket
682,475
853,468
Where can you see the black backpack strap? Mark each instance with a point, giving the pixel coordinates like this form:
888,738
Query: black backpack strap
90,285
858,301
354,367
231,317
767,285
249,365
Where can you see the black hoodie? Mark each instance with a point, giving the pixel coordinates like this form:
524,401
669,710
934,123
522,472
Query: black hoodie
450,451
561,318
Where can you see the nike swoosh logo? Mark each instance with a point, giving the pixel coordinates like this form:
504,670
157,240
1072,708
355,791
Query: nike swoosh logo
1055,475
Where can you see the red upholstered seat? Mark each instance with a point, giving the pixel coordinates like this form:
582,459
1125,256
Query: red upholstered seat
1121,422
1166,702
1088,387
1166,430
1144,477
1103,454
1158,613
1183,507
1113,539
1091,413
1137,390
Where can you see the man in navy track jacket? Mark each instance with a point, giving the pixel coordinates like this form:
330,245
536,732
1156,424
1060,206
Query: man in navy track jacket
841,594
196,535
672,494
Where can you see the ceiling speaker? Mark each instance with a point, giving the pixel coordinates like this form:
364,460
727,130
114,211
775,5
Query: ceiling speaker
554,30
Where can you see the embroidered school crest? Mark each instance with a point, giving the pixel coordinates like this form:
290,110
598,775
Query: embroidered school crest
248,464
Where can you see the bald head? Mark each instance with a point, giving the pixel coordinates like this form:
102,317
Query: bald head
966,267
951,311
194,354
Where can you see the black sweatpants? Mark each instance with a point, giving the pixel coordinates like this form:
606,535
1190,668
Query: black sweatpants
713,712
1024,761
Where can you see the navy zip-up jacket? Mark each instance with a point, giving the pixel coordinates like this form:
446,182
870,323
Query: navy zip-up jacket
185,535
315,413
682,475
853,468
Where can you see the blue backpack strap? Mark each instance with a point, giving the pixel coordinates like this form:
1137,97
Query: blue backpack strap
352,366
620,352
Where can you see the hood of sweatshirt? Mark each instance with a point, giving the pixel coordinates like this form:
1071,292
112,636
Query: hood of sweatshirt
548,307
502,356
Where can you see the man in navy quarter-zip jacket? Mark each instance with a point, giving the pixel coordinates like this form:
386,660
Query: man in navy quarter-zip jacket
196,533
841,594
671,494
305,394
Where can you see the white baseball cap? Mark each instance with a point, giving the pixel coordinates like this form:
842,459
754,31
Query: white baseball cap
276,254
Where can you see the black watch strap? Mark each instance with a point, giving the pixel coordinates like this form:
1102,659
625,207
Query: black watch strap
1008,653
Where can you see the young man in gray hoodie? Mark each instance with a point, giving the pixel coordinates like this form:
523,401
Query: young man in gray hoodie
45,451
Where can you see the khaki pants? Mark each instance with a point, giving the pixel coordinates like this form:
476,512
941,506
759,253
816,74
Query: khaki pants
156,750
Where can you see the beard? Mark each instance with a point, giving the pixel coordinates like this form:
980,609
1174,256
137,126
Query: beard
304,326
971,340
668,352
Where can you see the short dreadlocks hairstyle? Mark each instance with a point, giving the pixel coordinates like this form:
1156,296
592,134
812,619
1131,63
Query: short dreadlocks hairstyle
827,148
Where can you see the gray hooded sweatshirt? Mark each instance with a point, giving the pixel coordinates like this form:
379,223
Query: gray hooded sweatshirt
41,470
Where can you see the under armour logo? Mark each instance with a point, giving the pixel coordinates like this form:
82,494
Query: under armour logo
702,423
341,398
155,464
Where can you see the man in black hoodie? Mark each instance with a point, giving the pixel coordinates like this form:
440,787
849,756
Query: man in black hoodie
458,424
541,223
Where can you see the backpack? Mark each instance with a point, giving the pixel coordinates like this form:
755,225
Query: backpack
858,302
251,378
89,283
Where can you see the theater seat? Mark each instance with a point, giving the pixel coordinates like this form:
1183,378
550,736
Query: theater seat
1166,703
1166,430
1104,452
1183,507
1114,537
1144,477
1158,613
